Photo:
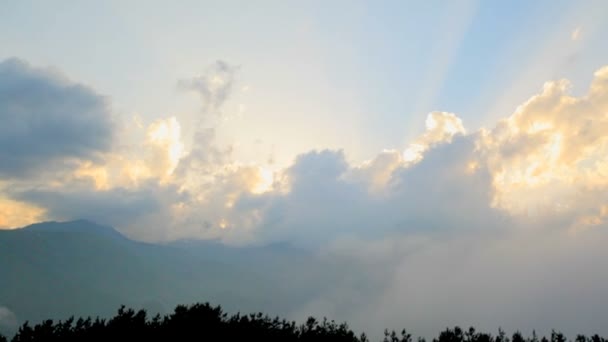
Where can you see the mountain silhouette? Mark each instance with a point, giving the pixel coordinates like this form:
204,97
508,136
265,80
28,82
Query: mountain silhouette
58,269
77,226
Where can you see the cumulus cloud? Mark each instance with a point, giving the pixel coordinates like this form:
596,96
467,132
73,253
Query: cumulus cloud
476,230
377,172
328,199
440,127
47,119
523,210
153,189
551,148
550,155
318,203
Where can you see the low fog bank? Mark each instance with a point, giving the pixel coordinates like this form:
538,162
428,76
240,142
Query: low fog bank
533,279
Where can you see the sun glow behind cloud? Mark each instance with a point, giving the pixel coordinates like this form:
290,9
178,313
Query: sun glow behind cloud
165,135
533,157
350,145
15,214
441,127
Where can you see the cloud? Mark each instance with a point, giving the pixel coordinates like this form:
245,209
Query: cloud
164,147
214,86
317,205
328,199
322,197
547,157
151,189
502,226
8,320
440,127
15,214
522,280
552,147
121,207
377,172
47,119
550,155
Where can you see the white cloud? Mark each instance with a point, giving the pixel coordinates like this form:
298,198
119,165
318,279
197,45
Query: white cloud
550,155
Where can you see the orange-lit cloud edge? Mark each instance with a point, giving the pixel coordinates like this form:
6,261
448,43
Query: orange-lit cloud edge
548,158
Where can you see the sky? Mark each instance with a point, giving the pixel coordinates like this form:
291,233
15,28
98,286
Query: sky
424,138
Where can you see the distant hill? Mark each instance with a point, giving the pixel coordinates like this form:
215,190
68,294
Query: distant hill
58,269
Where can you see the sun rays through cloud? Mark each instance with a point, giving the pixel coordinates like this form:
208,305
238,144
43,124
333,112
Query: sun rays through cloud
446,153
552,146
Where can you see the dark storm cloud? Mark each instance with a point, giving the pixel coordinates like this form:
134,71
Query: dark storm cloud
47,119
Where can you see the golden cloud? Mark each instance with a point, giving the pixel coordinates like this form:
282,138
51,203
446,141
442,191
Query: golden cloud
14,214
441,127
552,150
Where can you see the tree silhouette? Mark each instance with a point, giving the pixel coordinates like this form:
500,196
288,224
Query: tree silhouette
392,336
204,322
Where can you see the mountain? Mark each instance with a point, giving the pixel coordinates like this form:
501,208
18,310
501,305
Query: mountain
58,269
77,226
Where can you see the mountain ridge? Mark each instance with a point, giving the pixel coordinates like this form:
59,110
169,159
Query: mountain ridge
57,269
73,226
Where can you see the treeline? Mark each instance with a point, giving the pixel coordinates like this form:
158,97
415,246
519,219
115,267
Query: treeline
203,322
